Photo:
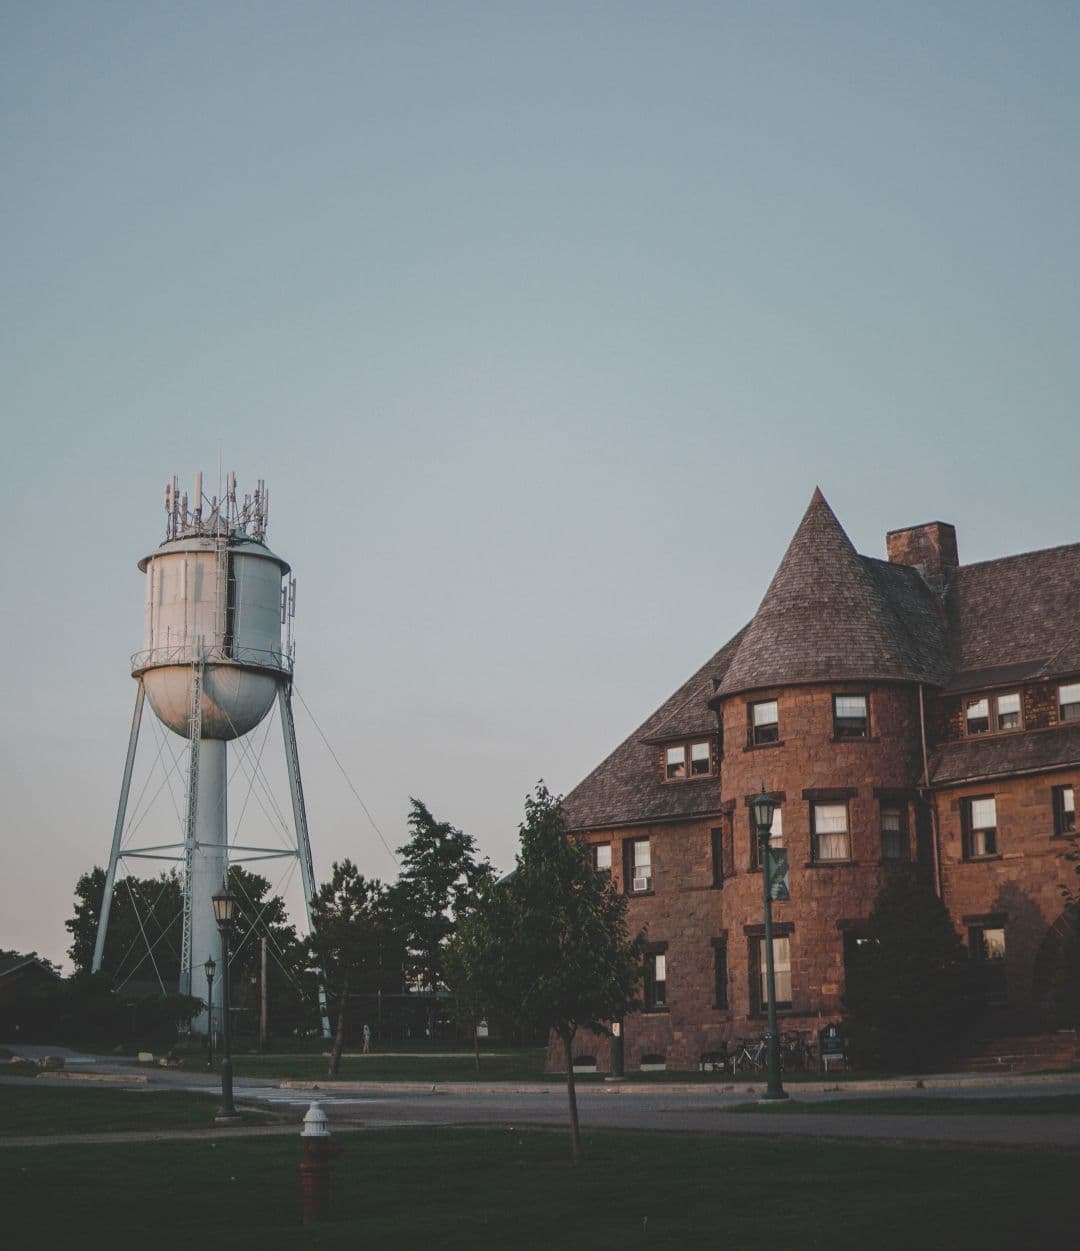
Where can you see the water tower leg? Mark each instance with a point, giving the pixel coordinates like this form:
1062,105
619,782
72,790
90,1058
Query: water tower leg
303,842
118,831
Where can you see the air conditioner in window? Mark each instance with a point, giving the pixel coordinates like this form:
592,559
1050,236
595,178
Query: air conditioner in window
642,883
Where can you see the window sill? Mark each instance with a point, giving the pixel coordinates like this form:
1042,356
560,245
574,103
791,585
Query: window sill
665,1011
994,855
697,777
639,894
763,746
829,864
855,738
759,1014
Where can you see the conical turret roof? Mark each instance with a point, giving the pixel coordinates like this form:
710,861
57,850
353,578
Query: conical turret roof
830,614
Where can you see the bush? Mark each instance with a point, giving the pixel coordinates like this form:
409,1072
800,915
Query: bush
909,993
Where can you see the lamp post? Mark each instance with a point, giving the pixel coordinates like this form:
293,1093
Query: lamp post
210,968
224,912
763,807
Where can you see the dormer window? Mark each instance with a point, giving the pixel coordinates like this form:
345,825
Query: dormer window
693,759
991,714
764,722
1069,702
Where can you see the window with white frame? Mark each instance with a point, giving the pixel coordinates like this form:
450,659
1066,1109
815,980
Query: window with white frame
655,987
991,714
692,759
831,836
764,722
776,836
601,858
639,866
1064,810
851,716
894,844
781,971
980,827
1069,702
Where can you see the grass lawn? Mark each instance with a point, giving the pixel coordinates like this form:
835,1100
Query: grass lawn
41,1109
458,1190
1020,1105
502,1066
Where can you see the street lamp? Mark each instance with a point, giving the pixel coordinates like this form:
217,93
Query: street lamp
210,968
224,913
762,807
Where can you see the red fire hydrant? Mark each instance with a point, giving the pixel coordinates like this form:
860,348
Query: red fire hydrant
319,1150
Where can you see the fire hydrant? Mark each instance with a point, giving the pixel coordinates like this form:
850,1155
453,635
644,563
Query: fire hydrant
319,1150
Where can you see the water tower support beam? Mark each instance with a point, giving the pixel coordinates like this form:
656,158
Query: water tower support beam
118,831
303,841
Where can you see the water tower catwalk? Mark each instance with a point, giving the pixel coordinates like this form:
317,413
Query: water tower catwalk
217,653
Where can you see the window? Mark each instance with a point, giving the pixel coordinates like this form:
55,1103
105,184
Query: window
1064,810
986,943
776,836
688,760
980,827
1069,702
601,858
655,981
716,851
764,723
829,828
851,716
781,971
894,843
638,866
719,946
992,713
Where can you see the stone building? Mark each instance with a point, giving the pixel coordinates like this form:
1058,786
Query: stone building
909,710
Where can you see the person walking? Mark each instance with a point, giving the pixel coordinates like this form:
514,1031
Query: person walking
367,1039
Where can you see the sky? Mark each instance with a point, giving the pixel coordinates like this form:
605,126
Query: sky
541,322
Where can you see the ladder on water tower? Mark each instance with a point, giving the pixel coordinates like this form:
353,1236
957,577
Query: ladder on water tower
195,733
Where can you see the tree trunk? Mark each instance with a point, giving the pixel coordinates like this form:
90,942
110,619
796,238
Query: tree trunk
571,1094
339,1037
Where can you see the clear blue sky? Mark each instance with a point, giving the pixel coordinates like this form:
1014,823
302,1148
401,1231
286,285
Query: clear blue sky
542,321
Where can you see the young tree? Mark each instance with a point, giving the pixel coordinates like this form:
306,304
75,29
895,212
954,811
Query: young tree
439,874
550,942
353,929
471,1002
908,994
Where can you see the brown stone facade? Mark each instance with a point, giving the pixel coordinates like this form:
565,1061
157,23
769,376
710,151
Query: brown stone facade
846,697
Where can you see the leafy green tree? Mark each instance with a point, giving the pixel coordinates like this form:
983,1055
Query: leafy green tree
550,942
909,992
471,1001
354,928
439,875
145,926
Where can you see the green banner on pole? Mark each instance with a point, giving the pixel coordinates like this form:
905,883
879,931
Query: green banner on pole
779,880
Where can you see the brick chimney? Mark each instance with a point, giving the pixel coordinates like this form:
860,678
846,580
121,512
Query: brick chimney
930,548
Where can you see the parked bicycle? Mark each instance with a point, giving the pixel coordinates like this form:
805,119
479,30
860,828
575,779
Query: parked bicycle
748,1055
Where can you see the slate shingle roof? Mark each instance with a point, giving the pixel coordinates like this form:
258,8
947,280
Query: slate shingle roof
832,615
627,788
973,759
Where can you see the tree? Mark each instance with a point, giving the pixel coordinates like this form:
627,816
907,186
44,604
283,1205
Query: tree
908,992
471,1001
145,926
439,875
353,928
550,942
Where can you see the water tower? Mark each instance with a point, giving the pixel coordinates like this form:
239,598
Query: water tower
217,654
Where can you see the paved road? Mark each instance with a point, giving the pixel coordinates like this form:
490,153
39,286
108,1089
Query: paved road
689,1109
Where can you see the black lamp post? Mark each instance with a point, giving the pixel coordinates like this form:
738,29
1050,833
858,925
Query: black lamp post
224,913
763,807
210,968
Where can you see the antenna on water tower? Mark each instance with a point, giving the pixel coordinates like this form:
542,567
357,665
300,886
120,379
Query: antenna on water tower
213,663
